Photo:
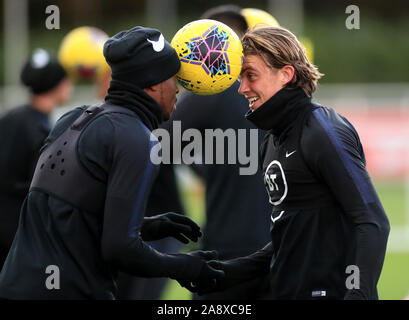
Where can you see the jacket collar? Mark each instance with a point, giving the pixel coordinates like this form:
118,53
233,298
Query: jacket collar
137,100
280,111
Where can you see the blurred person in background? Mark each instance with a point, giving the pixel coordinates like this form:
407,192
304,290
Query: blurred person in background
81,53
234,226
84,213
258,18
22,132
329,230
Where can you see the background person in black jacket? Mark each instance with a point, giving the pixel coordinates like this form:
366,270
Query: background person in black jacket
234,226
83,217
22,132
328,228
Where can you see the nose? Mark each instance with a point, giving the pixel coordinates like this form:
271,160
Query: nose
243,87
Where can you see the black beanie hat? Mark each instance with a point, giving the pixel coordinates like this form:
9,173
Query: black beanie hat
141,56
42,72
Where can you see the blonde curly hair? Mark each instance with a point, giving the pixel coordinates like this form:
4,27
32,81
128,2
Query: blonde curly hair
278,47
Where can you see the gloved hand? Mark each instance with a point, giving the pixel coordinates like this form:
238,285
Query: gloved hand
214,286
208,276
170,225
238,270
205,255
232,276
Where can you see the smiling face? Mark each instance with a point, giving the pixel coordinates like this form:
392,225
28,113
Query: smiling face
259,82
273,58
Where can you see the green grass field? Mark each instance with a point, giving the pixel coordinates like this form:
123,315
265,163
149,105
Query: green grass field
394,281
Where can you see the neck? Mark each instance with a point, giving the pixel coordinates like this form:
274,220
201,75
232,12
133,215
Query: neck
280,111
136,99
43,103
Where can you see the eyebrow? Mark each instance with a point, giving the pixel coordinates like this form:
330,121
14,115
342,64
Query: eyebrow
246,69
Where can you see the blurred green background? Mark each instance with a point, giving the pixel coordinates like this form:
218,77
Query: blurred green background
377,52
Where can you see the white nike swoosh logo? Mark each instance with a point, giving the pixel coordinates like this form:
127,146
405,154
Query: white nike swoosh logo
158,45
289,154
275,219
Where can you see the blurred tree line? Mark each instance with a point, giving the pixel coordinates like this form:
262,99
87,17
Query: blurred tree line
377,52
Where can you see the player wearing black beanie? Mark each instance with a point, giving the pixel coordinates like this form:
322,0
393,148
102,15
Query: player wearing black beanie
22,132
83,217
42,72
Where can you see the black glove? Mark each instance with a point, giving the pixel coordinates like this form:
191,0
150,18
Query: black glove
205,255
170,225
239,270
232,277
208,276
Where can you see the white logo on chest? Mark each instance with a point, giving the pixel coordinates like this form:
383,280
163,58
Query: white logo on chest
275,182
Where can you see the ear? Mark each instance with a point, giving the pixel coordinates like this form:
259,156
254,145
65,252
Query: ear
287,74
152,89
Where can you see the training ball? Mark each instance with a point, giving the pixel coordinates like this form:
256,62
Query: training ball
81,53
256,17
211,56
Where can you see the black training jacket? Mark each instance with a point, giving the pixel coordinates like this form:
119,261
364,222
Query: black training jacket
22,133
326,213
89,248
